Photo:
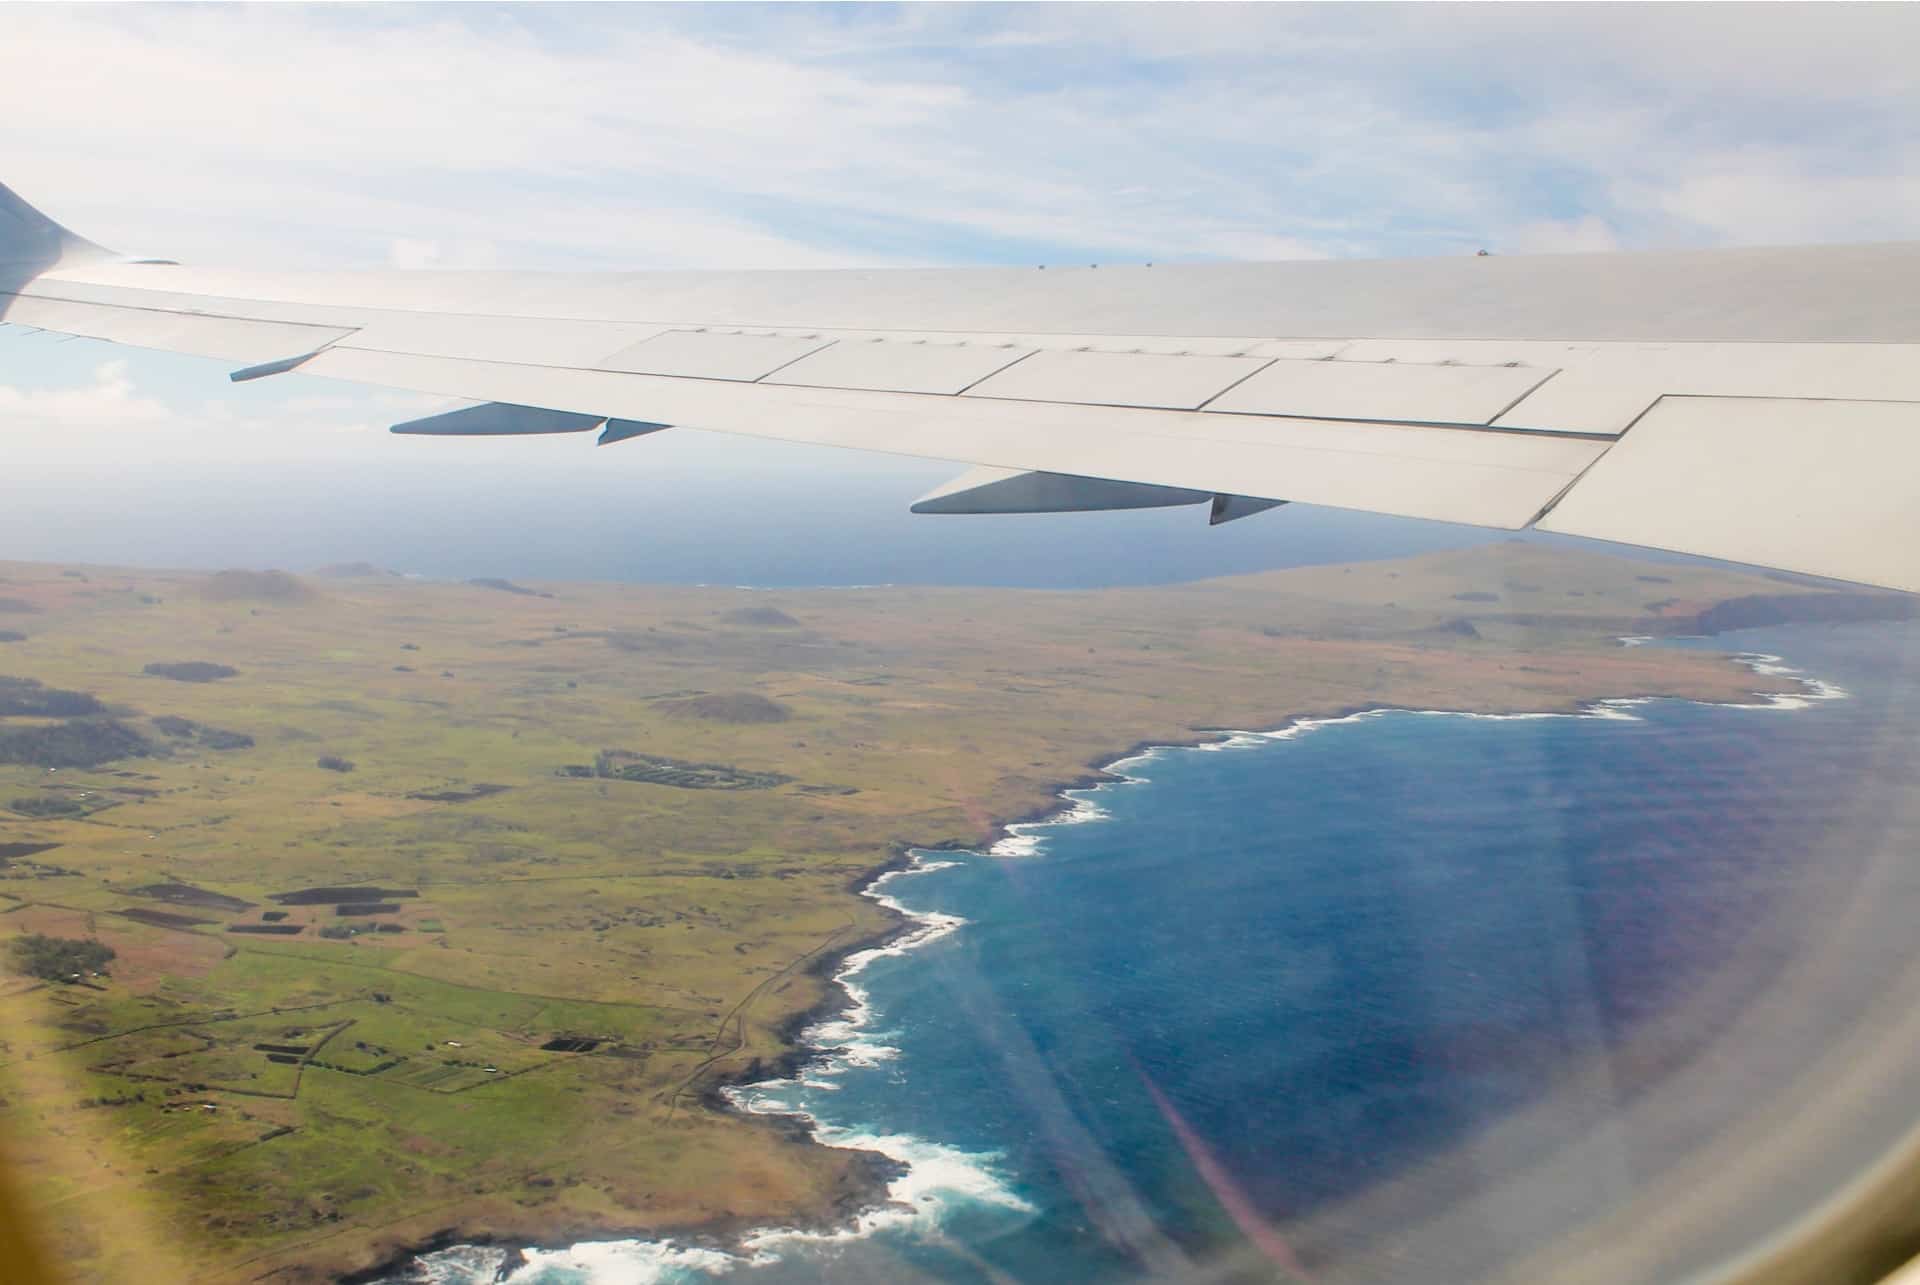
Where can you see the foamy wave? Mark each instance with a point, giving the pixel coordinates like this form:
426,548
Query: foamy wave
622,1262
846,1038
935,1177
461,1265
1120,765
1814,689
1017,843
609,1262
849,1040
1231,741
1022,838
1028,838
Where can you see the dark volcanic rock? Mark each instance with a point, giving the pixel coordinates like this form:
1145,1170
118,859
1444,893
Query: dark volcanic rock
459,793
191,671
760,617
726,707
506,586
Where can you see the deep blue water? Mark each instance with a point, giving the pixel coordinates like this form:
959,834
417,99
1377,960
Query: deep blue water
1314,1001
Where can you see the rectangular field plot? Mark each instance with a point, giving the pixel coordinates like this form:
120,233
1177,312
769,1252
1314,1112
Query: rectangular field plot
444,1053
261,1057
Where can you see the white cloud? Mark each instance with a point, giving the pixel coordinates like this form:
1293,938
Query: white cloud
108,401
692,136
110,421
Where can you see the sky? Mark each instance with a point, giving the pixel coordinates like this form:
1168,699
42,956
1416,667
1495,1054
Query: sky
604,137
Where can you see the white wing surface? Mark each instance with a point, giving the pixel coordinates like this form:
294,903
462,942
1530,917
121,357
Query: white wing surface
1757,405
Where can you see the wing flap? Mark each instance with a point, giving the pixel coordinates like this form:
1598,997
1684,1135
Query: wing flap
1606,388
535,341
1451,475
700,354
894,366
1383,391
1165,381
1822,487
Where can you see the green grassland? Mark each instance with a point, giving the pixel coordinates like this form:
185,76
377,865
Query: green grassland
695,784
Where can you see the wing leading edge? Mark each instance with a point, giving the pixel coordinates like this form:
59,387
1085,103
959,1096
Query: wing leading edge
1757,405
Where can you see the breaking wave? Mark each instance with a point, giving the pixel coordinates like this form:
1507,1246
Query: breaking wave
933,1177
1027,838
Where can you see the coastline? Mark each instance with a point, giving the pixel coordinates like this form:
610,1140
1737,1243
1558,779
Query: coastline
720,1243
818,1034
716,1236
1013,841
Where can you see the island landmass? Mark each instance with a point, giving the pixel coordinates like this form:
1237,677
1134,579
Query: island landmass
445,914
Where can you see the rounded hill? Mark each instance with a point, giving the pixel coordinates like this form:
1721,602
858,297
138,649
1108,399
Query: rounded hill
760,618
254,586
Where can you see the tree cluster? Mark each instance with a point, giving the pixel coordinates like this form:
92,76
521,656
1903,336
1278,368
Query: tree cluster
59,959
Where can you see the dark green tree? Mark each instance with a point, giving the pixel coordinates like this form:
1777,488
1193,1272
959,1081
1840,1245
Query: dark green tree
59,959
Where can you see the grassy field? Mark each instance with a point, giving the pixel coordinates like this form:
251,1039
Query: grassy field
521,876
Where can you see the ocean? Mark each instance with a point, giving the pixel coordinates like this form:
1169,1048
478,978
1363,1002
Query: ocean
1402,997
682,508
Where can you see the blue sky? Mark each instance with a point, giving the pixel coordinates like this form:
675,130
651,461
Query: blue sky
598,137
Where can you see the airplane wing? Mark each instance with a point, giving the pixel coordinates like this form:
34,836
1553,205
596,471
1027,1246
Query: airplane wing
1761,406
